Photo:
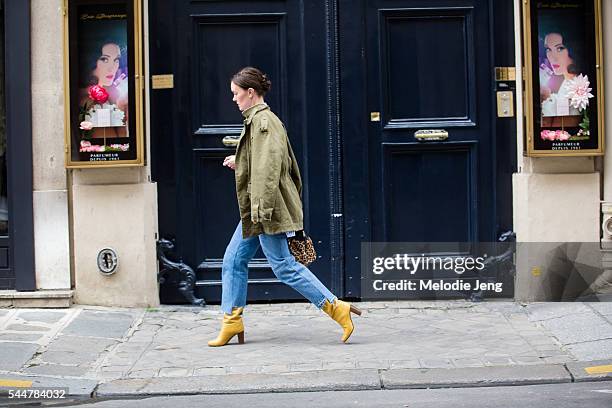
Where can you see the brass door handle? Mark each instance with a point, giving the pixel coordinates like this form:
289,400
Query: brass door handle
230,141
430,134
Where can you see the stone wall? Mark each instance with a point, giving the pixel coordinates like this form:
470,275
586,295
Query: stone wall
78,212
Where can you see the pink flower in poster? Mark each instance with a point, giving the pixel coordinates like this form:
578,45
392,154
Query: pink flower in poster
86,146
562,135
554,135
122,147
98,94
579,92
548,135
86,125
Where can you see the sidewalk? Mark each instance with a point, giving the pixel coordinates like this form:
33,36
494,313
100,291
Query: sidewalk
295,347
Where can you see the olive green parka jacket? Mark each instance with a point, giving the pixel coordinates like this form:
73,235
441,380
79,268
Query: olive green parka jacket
268,182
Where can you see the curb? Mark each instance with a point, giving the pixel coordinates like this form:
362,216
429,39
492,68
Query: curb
367,379
325,380
475,377
589,371
337,380
73,386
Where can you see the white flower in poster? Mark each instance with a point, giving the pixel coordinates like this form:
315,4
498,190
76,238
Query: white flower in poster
579,92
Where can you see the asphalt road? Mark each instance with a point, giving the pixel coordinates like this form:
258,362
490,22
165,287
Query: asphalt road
583,395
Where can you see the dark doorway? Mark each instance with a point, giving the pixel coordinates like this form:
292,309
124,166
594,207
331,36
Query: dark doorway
7,275
16,217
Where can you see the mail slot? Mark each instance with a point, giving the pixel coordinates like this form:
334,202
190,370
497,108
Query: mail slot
426,135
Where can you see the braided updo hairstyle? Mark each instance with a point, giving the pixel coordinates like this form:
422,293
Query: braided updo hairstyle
249,77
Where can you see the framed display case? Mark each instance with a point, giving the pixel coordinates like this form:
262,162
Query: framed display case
104,83
564,98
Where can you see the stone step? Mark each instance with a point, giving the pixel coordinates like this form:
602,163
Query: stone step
36,299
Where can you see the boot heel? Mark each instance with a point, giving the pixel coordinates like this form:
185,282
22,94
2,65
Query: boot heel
241,338
356,310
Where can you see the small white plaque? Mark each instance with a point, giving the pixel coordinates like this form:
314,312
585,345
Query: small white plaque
562,106
104,117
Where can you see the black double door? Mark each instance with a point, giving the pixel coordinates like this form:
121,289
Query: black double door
352,81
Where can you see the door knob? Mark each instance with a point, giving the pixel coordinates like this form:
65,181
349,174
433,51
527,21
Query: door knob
230,141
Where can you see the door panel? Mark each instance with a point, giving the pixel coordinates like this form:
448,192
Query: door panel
255,39
429,192
412,71
427,65
209,180
222,45
203,43
425,77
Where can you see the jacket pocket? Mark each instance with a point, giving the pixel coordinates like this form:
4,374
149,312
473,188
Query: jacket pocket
265,214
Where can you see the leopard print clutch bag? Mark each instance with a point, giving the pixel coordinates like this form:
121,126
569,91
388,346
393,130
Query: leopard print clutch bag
302,248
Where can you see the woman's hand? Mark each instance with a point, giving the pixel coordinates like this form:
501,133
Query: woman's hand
230,161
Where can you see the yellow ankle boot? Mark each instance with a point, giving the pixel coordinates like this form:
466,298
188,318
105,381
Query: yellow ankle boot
232,325
341,312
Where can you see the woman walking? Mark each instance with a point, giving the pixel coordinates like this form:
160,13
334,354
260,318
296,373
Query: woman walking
269,187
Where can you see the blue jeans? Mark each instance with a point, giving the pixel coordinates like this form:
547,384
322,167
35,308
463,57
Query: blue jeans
235,270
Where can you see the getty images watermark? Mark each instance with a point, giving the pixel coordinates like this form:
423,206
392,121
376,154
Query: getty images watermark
436,270
412,264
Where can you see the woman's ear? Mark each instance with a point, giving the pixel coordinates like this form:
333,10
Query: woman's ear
251,92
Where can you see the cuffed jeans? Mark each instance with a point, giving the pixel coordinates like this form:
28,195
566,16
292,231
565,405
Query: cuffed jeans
235,270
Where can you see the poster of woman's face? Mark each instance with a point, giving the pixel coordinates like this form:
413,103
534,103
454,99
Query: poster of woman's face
102,125
564,75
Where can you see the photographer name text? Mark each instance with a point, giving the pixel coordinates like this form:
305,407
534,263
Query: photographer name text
436,285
